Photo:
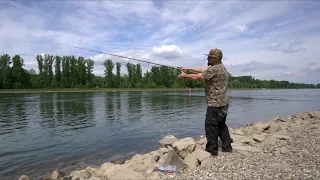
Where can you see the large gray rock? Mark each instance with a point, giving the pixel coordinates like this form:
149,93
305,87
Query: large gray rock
247,140
172,159
163,150
183,154
242,147
207,162
242,139
168,140
94,171
201,154
94,178
259,138
24,177
81,175
269,140
187,144
191,161
249,130
274,127
286,119
281,136
238,132
202,141
121,172
153,176
56,174
262,126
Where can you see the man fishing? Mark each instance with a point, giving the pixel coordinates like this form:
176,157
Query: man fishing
217,98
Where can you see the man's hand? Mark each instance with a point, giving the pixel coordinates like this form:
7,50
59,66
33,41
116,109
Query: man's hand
182,75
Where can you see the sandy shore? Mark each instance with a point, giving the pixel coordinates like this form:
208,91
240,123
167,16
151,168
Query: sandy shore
279,148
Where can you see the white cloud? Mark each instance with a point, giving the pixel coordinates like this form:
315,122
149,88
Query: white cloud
241,28
257,36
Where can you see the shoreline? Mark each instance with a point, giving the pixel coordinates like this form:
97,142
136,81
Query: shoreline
24,91
282,147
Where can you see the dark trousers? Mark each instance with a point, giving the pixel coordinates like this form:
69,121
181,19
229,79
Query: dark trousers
215,126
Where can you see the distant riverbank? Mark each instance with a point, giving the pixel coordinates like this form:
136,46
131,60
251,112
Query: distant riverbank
8,91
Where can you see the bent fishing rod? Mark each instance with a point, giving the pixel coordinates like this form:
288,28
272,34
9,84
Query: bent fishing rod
128,58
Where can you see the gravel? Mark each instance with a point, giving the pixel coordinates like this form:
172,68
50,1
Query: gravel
301,160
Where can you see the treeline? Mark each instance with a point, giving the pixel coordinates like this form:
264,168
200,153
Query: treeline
77,72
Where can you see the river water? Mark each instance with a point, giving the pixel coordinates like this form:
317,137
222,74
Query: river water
40,132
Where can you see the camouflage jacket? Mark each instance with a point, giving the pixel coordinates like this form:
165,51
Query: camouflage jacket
216,85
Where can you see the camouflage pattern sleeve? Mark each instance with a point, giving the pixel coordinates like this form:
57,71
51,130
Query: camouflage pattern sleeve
209,73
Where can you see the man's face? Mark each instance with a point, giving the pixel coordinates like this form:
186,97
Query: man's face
210,61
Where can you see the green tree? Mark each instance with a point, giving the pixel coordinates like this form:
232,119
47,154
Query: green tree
109,65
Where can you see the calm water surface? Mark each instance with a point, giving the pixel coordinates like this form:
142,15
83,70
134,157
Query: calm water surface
43,131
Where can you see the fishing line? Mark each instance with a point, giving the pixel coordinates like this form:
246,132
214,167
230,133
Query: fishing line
128,58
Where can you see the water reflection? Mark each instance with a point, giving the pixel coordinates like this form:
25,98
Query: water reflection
13,114
72,114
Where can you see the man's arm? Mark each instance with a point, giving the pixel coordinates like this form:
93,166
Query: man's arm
198,76
198,70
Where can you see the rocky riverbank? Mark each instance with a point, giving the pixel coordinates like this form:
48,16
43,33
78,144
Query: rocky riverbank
279,148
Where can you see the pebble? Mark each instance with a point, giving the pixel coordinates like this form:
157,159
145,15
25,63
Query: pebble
300,162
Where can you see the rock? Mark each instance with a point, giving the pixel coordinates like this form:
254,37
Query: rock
95,171
170,148
198,146
172,159
191,161
249,131
57,174
282,137
269,140
168,140
24,177
156,158
274,127
286,119
187,143
236,138
183,154
250,124
121,172
81,175
242,139
231,130
238,132
241,147
202,141
247,140
262,126
153,176
207,162
275,119
259,138
163,150
201,154
94,178
284,150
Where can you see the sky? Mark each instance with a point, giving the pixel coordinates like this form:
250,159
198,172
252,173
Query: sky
265,39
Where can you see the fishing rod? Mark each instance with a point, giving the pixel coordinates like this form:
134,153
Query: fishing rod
128,58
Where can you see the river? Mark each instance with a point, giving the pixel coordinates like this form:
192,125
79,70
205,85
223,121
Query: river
40,132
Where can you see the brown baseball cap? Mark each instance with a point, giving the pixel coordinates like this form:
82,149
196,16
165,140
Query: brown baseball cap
215,53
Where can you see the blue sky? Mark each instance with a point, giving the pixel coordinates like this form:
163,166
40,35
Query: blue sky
266,39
